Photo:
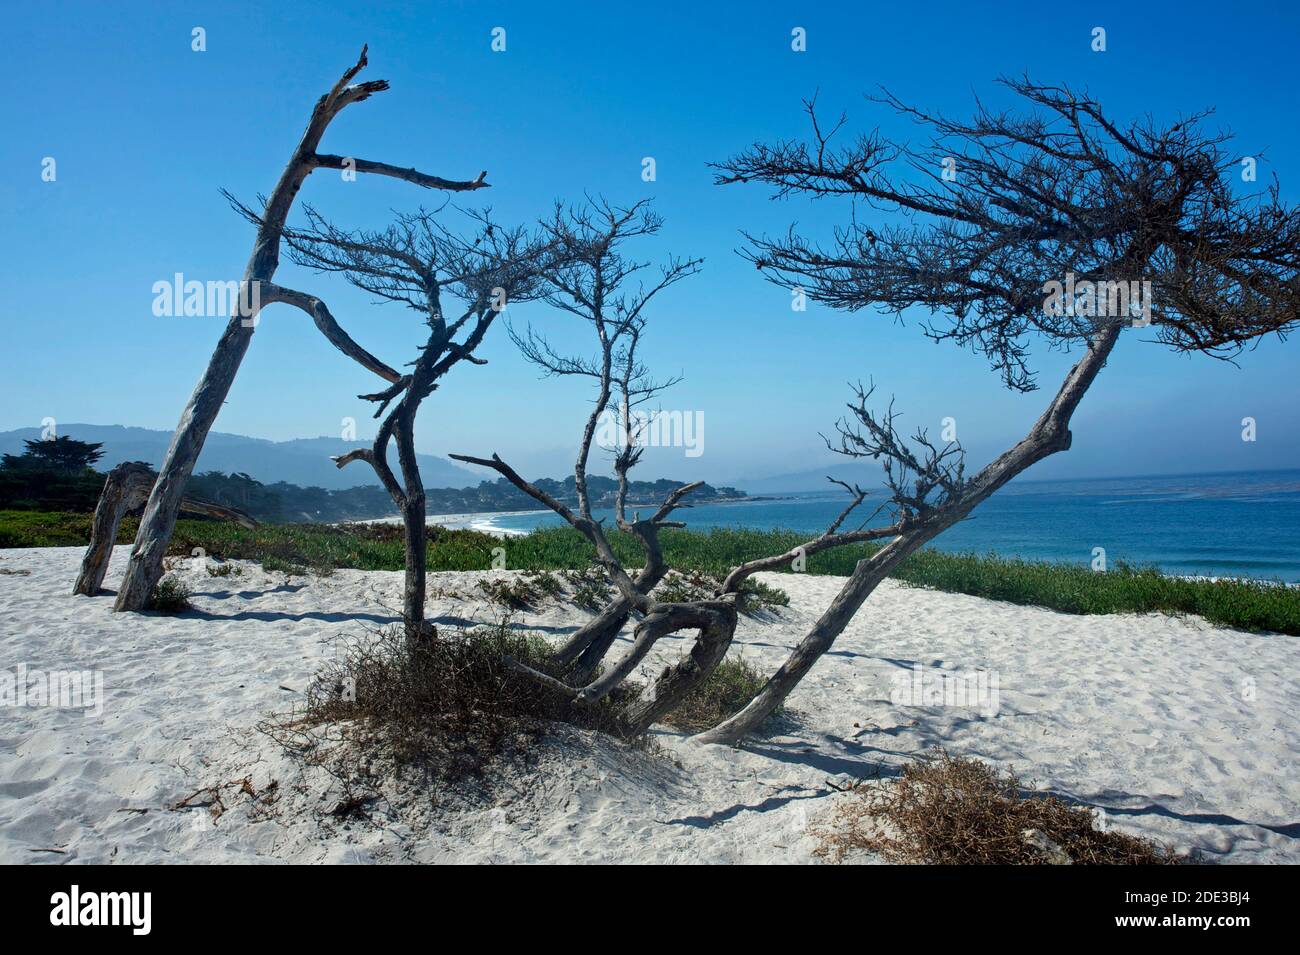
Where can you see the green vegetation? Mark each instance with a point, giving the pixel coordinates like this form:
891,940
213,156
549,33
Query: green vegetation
1245,605
54,528
51,475
527,590
170,596
756,597
591,589
61,454
1072,589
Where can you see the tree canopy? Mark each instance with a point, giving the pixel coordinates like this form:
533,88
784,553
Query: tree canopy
64,454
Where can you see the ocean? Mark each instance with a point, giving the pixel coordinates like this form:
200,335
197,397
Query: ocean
1239,524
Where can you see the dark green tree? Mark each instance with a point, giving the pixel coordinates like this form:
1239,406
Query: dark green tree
64,454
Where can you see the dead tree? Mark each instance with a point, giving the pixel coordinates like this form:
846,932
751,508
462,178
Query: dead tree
994,216
587,288
159,519
589,284
418,262
125,489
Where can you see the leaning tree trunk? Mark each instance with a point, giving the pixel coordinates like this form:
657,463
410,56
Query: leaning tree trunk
866,577
1050,434
126,488
159,519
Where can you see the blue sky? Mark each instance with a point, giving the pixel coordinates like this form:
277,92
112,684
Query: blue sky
146,131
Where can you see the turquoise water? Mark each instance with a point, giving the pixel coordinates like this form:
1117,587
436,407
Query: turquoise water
1244,524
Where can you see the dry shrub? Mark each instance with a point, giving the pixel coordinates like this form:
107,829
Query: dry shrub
725,692
449,703
945,810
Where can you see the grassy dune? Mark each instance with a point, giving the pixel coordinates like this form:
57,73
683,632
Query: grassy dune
1065,587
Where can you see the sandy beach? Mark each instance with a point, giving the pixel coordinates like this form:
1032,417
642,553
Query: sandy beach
1171,728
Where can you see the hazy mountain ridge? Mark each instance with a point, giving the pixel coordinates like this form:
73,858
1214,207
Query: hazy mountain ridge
301,461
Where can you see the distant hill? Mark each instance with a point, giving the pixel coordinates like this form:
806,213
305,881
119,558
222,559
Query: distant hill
303,461
288,503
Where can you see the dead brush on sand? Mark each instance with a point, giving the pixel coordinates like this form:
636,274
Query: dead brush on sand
442,716
442,710
946,810
448,703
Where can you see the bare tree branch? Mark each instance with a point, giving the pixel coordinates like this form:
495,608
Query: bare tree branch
330,328
414,176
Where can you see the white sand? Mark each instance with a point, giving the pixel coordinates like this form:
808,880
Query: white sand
1183,731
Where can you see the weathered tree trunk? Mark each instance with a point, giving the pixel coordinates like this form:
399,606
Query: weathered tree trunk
865,578
677,681
413,590
1050,434
413,516
590,643
159,519
417,533
221,512
126,488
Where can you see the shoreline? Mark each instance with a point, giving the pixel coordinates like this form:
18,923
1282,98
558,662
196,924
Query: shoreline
483,522
480,521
